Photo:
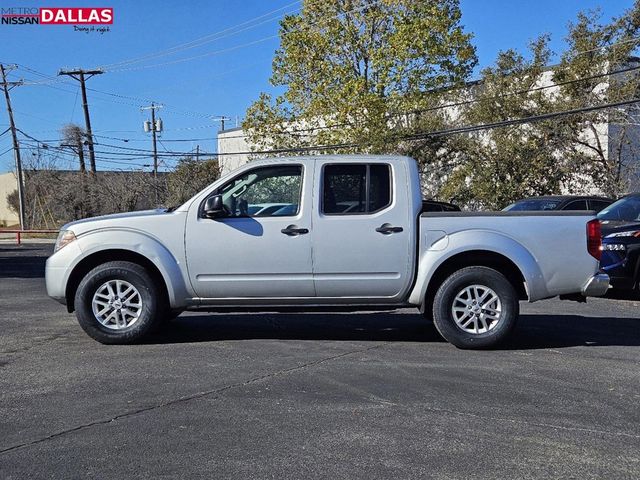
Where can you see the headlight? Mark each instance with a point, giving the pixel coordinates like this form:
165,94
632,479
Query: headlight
65,237
632,233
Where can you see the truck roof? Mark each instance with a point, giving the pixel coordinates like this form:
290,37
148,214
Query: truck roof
346,158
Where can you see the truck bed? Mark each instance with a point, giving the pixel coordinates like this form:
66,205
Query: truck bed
550,245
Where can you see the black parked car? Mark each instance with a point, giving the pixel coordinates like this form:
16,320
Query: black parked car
559,202
620,225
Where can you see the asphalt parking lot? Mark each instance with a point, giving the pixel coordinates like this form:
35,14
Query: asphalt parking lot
361,395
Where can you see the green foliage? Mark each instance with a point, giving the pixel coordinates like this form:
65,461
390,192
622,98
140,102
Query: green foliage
497,166
355,63
189,177
571,154
595,48
376,73
284,189
13,201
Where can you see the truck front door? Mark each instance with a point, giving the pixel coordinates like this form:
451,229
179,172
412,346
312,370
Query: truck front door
255,251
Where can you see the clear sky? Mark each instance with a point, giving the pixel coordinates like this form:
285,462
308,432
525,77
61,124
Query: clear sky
219,75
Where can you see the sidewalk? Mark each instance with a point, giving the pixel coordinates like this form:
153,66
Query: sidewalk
10,238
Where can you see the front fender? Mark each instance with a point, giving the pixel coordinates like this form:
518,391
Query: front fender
143,244
433,256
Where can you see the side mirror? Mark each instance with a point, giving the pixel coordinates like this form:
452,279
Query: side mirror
213,207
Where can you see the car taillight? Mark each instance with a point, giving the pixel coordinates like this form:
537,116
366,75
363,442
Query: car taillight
594,239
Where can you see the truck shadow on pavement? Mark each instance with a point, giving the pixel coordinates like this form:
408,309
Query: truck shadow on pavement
25,264
532,332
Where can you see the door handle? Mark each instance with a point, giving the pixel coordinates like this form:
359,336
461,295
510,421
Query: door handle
387,228
293,230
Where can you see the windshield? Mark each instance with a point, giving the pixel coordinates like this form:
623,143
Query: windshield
533,205
626,209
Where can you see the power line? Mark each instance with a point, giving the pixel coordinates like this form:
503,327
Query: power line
6,151
195,57
61,151
416,136
233,48
207,38
456,104
518,121
127,140
167,140
334,126
444,132
521,92
614,44
171,108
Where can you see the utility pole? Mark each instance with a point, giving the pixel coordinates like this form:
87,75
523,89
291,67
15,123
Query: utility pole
155,127
16,147
221,119
79,75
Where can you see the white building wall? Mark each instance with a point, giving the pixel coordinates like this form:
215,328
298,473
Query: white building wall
232,148
8,184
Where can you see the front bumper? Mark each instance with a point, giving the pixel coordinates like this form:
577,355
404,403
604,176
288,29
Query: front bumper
597,285
57,271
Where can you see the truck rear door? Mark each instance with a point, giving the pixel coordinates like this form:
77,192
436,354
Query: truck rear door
362,232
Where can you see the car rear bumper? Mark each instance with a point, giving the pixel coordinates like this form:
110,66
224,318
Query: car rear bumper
597,285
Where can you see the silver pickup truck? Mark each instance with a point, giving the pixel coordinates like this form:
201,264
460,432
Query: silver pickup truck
317,232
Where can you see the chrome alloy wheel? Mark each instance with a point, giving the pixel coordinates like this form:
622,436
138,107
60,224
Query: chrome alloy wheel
476,309
117,304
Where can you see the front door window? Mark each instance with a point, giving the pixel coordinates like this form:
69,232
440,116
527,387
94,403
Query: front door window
264,192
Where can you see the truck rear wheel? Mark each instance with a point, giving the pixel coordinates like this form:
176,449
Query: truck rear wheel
475,307
118,303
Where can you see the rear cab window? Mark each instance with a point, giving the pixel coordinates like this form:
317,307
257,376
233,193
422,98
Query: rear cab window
599,205
577,205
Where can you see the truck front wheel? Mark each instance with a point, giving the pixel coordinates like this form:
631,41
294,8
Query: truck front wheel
475,307
118,303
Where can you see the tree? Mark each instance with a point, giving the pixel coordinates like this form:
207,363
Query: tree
13,202
189,177
600,143
494,167
578,153
352,68
73,137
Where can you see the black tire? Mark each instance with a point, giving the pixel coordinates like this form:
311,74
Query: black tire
496,330
152,301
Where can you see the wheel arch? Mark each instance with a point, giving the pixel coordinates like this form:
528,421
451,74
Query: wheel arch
99,257
481,247
470,258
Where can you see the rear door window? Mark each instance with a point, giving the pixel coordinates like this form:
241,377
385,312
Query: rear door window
350,189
